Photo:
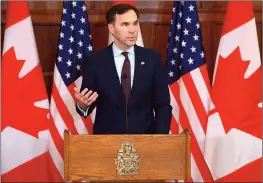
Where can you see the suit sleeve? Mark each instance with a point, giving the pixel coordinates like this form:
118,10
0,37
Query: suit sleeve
88,81
162,107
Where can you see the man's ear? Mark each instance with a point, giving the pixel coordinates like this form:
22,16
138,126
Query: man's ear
111,28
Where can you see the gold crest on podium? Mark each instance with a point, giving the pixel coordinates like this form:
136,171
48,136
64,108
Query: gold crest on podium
127,161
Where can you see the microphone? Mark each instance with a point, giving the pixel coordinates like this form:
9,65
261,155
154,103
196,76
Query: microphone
125,77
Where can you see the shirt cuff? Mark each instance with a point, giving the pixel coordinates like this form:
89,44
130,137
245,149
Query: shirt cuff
85,113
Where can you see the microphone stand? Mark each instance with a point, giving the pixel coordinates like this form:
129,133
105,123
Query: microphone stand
126,103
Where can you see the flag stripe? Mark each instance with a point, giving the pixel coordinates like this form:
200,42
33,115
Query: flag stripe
88,122
201,82
63,111
191,114
56,157
195,148
198,155
194,169
207,101
56,138
199,111
69,102
196,175
174,89
174,126
93,115
59,123
175,114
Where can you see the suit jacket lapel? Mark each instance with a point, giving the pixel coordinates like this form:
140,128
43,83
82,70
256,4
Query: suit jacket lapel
113,75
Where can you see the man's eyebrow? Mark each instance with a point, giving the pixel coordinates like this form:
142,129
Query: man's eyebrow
130,22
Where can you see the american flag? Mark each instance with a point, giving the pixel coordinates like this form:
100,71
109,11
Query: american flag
189,83
74,44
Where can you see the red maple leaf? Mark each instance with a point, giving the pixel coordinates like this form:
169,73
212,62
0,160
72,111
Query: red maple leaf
236,98
19,96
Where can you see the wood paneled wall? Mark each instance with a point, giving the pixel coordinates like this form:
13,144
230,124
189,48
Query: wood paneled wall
155,18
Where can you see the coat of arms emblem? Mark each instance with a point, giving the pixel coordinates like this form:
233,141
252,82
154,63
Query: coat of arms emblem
127,161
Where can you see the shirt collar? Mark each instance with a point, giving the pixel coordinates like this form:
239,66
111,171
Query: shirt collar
117,51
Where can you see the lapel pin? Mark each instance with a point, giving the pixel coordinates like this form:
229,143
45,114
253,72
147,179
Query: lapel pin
142,63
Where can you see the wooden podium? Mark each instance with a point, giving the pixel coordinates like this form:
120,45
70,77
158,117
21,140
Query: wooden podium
126,157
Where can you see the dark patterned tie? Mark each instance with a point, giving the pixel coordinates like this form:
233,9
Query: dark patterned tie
126,77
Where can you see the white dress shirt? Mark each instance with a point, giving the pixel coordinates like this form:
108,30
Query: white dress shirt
119,60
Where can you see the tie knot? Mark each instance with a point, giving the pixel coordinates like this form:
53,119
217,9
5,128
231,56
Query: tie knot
125,54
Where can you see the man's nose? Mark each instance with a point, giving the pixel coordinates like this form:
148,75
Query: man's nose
131,29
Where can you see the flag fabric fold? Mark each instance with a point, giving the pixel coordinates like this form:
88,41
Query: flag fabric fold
189,83
74,43
233,146
24,123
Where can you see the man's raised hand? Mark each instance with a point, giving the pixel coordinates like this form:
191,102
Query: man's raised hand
85,98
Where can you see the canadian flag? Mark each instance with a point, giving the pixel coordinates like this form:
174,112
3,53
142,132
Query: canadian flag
139,41
233,146
24,127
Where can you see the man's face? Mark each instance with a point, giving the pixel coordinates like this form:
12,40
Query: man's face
125,29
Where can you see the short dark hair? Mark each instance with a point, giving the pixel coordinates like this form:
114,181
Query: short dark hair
119,9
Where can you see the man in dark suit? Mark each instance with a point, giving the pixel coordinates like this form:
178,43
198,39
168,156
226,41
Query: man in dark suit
126,83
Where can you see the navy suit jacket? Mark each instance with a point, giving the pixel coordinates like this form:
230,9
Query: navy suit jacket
148,108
